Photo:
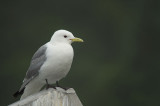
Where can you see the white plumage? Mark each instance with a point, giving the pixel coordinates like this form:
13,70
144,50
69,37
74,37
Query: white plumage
52,62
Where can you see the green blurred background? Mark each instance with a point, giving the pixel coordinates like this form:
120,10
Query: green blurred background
117,65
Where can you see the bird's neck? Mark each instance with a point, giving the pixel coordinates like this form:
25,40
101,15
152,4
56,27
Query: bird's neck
60,43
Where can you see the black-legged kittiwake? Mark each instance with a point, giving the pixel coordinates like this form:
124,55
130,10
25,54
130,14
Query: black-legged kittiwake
50,63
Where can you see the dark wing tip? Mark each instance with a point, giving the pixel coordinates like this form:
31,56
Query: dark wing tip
16,94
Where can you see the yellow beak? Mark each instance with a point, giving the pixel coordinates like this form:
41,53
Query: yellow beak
77,40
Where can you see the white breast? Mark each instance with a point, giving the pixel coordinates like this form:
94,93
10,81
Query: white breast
58,63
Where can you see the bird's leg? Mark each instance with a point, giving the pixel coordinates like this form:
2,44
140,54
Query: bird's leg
48,85
57,84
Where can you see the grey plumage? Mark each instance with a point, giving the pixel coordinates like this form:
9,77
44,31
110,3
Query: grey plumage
37,61
52,61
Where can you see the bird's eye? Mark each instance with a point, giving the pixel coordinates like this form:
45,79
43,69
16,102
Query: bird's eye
65,36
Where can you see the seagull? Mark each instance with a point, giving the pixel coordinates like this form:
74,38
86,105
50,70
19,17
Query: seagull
50,63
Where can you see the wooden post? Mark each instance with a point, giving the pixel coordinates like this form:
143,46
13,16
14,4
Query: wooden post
51,97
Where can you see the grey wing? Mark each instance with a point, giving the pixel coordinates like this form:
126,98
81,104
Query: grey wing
37,61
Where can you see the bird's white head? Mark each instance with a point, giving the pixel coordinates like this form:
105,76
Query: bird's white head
64,36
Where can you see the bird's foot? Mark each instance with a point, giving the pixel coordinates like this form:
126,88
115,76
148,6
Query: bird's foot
49,86
65,88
